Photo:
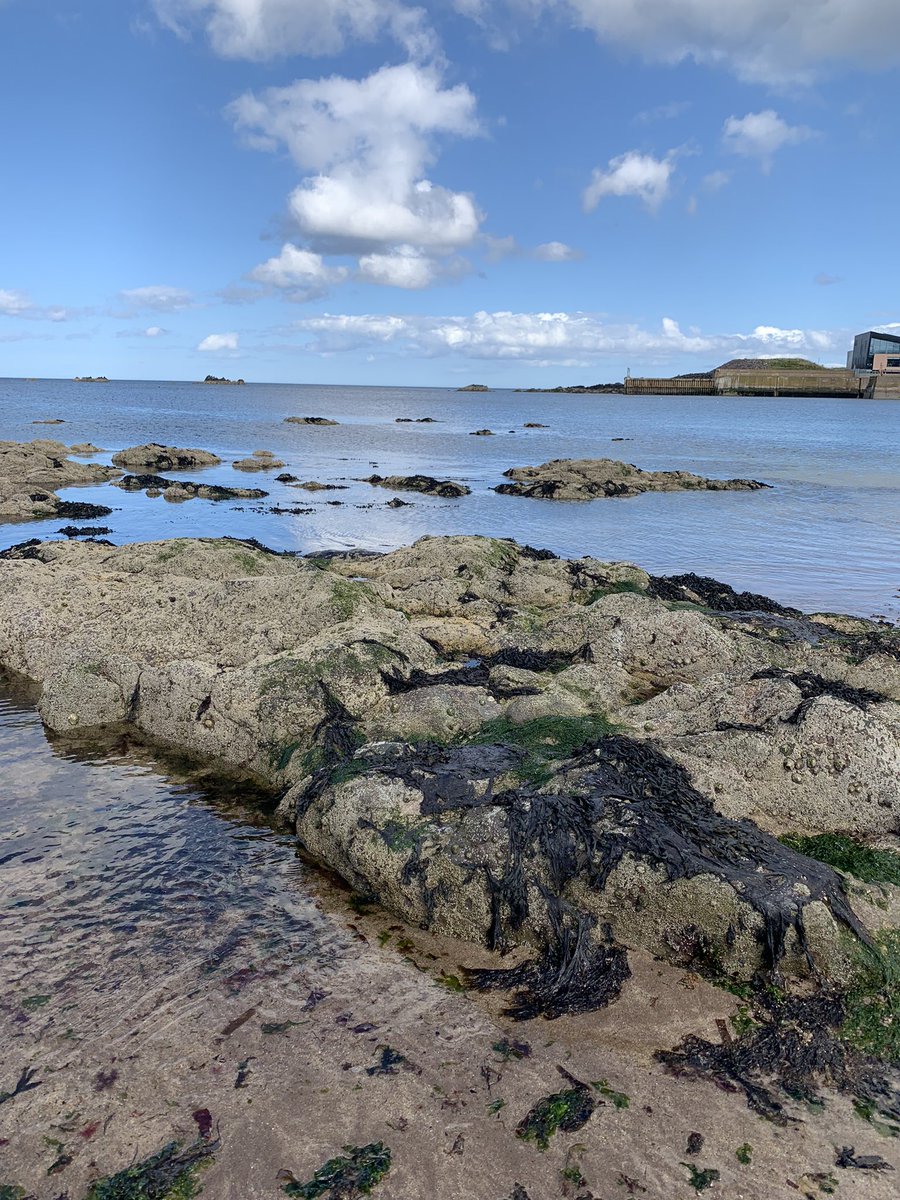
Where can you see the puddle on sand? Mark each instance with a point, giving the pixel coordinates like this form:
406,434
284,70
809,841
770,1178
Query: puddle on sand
170,970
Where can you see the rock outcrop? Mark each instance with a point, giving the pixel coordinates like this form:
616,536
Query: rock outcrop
310,421
30,473
590,478
500,744
185,489
426,484
258,462
155,457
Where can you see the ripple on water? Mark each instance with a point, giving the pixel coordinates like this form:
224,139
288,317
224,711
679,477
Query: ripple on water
115,879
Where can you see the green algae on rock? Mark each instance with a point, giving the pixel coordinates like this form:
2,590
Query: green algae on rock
568,1110
170,1174
357,1172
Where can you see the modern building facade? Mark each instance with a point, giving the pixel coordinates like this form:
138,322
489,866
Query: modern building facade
886,364
867,345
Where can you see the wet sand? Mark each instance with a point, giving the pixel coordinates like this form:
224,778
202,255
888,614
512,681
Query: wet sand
166,955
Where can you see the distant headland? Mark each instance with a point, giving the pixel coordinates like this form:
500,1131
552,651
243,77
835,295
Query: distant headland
221,379
91,379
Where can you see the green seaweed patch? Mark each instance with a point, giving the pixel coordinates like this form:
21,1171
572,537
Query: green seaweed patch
850,855
868,1111
699,1179
451,982
11,1191
354,1173
495,1106
545,740
33,1003
170,1174
568,1110
744,1154
594,594
872,1021
277,1026
617,1099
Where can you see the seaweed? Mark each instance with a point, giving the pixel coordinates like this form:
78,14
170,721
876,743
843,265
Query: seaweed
795,1050
847,1157
811,687
701,1180
355,1173
574,975
568,1110
170,1174
25,1083
74,510
712,594
850,855
390,1062
744,1154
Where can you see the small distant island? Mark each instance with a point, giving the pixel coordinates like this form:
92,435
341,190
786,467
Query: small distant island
91,379
474,387
218,379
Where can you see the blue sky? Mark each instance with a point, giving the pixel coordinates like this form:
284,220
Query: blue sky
519,192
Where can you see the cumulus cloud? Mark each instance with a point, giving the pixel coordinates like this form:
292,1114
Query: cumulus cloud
546,337
367,144
499,248
215,342
153,331
631,174
404,267
155,298
266,29
303,273
761,135
767,41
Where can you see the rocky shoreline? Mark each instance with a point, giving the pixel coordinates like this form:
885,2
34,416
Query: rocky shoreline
601,774
430,714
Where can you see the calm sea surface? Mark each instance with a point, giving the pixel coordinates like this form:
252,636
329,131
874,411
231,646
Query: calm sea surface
825,536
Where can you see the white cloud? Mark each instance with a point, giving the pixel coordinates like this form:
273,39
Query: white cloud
219,341
367,144
770,41
760,135
303,272
404,267
265,29
19,304
663,112
716,180
13,304
557,252
154,331
156,298
631,174
547,337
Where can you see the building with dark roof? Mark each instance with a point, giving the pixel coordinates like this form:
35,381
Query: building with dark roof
867,345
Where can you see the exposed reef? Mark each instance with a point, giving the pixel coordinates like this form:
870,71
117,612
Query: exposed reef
518,750
590,478
185,489
310,421
164,458
425,484
31,471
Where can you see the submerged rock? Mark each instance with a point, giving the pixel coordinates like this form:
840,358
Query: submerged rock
590,478
164,458
426,484
595,772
